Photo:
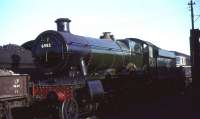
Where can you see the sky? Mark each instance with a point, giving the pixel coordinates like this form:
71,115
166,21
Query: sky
165,23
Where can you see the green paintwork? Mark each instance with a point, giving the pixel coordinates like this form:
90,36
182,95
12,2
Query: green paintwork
104,59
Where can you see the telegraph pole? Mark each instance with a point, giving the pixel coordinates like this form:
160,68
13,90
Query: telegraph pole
195,62
191,3
193,47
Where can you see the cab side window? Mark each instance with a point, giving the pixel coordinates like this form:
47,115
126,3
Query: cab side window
135,47
150,52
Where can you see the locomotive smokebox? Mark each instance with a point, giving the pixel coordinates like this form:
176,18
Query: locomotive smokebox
63,24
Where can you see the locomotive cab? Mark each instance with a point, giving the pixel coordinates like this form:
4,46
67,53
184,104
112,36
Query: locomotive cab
142,53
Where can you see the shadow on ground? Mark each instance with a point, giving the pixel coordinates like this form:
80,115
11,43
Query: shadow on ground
149,107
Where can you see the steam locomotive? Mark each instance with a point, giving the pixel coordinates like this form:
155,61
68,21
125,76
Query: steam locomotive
72,74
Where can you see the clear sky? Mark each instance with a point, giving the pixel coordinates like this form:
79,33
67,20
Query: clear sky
165,23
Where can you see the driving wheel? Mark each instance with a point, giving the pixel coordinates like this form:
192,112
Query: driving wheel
69,109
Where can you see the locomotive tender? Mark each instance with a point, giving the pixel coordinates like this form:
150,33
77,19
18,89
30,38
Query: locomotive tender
72,74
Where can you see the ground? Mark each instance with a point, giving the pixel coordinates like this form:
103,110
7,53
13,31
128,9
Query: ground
177,106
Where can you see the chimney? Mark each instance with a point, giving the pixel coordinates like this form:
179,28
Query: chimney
63,24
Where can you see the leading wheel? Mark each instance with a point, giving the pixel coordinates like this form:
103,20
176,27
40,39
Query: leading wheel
69,109
6,113
1,114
